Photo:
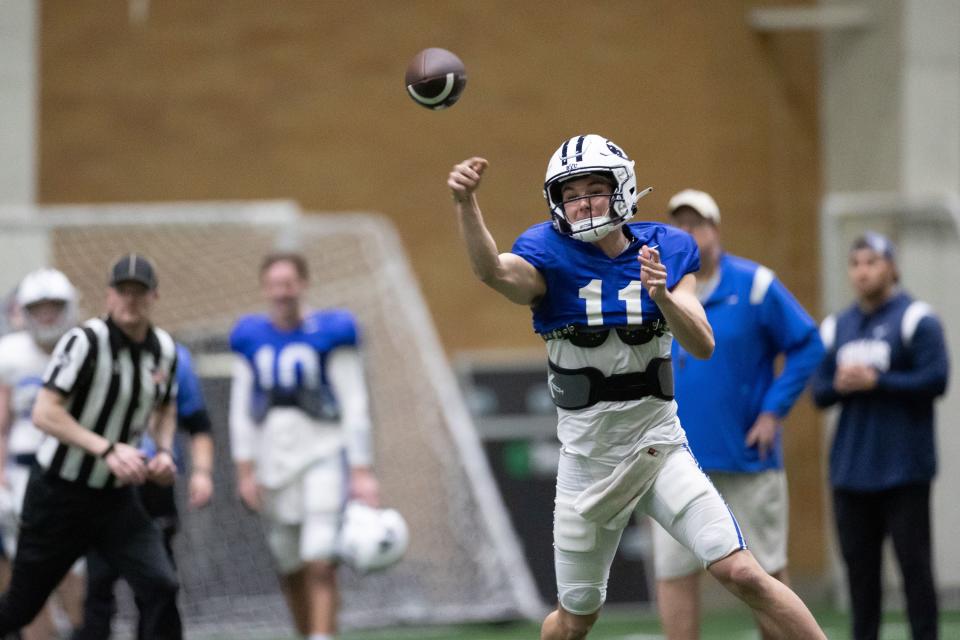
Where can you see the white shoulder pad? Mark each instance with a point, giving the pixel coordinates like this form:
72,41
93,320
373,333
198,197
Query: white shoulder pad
762,279
168,348
14,345
917,311
99,328
14,350
828,331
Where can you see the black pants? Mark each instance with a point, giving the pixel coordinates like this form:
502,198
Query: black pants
863,521
100,603
61,521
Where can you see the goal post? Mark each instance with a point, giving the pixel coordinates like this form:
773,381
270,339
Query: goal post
465,562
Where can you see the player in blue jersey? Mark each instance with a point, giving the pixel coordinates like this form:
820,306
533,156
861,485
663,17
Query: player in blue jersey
158,500
609,298
298,403
886,364
731,406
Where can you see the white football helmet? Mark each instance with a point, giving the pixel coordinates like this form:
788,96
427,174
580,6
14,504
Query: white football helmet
372,539
47,285
584,155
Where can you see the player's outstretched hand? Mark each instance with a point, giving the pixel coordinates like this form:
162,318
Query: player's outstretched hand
127,464
161,469
653,273
465,178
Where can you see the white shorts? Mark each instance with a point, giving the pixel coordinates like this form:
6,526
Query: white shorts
760,502
682,499
303,517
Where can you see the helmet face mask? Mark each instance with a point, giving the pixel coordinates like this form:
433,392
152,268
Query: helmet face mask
593,226
46,322
582,156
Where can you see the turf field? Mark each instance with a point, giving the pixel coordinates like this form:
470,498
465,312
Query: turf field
623,626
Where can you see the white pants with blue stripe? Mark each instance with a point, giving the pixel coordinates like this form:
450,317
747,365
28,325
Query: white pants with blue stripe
760,502
682,500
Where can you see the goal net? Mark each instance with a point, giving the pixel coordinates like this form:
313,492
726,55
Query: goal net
464,561
925,230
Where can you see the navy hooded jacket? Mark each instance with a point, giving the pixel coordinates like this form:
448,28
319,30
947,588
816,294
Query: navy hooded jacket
884,436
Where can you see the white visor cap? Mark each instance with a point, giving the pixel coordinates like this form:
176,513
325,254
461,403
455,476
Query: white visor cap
700,201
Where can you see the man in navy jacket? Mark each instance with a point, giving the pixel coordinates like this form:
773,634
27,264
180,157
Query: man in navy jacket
731,405
886,364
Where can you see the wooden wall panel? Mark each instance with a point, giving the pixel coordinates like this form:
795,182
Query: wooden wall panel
305,100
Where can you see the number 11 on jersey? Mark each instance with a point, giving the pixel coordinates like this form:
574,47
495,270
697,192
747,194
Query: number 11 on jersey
631,294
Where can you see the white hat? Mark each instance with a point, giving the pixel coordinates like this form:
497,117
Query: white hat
699,201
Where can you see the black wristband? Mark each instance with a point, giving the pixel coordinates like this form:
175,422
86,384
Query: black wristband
106,452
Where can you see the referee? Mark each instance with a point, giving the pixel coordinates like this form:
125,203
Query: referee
107,381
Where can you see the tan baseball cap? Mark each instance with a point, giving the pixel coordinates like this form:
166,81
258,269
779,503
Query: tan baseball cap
700,201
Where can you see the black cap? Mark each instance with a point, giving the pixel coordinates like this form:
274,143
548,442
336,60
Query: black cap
133,268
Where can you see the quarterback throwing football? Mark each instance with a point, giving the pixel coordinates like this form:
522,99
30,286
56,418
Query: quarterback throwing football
609,298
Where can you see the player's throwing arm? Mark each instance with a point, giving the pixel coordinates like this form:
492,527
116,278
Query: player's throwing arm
506,273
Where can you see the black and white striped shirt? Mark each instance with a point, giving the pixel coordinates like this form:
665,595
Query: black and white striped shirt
112,386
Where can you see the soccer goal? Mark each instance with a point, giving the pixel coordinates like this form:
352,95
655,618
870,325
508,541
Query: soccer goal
464,561
925,230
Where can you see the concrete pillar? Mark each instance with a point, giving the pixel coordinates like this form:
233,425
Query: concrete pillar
19,252
18,100
930,164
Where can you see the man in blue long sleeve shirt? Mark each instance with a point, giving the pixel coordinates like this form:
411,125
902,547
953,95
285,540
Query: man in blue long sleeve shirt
886,364
731,405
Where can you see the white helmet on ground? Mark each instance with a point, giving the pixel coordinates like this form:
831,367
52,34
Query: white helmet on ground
47,285
587,155
372,539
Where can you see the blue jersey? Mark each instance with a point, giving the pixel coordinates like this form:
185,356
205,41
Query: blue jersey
189,395
587,288
884,436
191,408
754,320
289,367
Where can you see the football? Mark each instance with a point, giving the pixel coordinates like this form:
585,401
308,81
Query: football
436,78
